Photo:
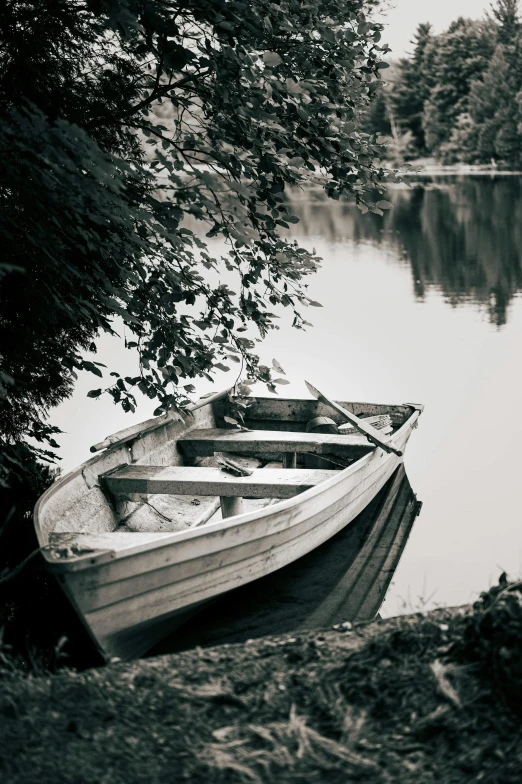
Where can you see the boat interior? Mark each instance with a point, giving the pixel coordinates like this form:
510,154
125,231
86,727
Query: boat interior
166,476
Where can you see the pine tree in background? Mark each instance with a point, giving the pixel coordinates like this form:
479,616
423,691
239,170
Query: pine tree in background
458,96
506,15
413,86
376,119
461,55
494,105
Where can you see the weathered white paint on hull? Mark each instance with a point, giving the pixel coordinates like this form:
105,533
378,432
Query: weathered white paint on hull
132,592
153,598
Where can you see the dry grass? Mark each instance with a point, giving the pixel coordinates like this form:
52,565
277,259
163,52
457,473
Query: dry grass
410,701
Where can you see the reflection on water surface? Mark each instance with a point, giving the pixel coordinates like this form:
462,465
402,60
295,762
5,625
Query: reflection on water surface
461,235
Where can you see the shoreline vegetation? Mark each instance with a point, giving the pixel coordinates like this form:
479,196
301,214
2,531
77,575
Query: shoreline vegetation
419,698
457,96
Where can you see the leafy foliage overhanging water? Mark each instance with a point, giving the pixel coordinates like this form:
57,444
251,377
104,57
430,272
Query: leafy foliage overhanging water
98,175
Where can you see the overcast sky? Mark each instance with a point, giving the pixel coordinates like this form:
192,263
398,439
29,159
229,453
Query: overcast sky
403,19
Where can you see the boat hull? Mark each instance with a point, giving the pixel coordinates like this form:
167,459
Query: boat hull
129,604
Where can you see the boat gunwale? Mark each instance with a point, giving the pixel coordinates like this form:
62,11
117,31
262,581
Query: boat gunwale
150,425
102,555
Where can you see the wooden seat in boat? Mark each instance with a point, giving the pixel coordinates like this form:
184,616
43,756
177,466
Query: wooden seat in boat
188,480
133,480
206,442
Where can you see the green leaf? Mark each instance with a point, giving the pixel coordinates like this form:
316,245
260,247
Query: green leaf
91,367
94,393
314,304
384,205
292,86
271,59
281,381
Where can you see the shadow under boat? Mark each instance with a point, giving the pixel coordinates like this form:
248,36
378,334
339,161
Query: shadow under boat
345,579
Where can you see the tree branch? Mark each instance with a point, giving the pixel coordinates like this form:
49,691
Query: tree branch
158,92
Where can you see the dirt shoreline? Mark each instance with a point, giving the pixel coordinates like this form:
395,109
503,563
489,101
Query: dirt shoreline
408,699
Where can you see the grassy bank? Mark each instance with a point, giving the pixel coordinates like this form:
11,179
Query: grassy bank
415,699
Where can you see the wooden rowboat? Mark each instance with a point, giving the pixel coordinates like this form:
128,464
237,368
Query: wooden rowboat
149,530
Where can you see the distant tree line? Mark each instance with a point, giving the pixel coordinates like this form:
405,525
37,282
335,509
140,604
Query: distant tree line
458,96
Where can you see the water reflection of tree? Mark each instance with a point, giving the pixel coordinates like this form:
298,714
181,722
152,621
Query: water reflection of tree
461,235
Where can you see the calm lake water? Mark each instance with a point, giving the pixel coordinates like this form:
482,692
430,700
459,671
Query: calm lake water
422,305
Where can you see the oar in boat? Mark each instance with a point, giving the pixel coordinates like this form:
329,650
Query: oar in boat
371,433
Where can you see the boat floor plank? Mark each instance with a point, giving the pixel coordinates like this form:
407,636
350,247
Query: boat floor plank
205,442
183,480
